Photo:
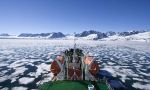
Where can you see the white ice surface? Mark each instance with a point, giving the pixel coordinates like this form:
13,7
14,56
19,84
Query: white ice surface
142,87
19,70
26,80
19,88
118,57
42,68
5,88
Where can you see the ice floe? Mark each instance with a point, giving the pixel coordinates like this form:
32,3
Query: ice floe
141,86
26,80
42,68
19,88
5,88
19,70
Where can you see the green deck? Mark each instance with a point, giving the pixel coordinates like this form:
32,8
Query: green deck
71,85
103,86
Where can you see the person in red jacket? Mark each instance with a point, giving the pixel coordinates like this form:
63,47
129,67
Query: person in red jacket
74,70
57,68
91,68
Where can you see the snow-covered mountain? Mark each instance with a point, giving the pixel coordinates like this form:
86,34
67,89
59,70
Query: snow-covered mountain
43,35
91,37
91,33
88,35
4,34
145,36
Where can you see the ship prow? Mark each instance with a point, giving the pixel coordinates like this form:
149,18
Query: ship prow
75,75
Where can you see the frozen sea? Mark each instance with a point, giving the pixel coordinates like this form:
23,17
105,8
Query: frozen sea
25,63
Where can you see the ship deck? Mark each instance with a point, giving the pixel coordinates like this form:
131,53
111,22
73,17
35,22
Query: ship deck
72,85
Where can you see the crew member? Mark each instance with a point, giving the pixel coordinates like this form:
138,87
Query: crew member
57,68
91,68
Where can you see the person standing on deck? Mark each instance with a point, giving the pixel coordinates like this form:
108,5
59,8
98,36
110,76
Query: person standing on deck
91,68
57,68
75,73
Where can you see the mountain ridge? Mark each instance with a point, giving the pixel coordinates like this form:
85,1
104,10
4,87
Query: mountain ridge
89,35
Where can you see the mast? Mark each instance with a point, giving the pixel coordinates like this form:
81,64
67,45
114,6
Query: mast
74,55
74,47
